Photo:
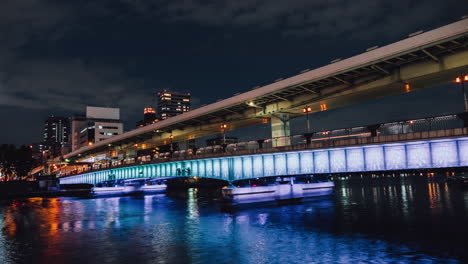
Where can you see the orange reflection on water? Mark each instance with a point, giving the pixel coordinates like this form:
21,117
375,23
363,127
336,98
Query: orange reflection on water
18,217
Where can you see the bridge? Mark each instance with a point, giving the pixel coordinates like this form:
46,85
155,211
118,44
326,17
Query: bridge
411,151
422,60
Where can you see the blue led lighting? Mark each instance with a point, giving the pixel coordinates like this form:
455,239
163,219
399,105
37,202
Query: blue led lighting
410,155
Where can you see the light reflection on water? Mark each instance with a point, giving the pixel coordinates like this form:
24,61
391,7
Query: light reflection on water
417,222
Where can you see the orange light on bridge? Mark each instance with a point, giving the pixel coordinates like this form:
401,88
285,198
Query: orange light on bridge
90,143
323,107
407,87
307,109
458,80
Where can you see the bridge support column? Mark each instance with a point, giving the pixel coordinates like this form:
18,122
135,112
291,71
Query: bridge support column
280,130
464,116
373,130
308,137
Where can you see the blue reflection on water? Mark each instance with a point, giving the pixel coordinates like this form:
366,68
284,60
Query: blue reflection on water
397,222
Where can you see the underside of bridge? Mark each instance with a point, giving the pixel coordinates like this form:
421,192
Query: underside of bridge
415,67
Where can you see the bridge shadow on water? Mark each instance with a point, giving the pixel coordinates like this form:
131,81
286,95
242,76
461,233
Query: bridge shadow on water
397,220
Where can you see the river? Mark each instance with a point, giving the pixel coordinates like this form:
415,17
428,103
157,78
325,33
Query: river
398,220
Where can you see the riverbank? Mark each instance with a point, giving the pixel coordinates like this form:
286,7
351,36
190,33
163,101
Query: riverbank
27,189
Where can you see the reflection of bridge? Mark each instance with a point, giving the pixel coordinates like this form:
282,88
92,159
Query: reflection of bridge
445,150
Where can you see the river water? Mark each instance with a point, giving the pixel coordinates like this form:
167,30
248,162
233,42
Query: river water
381,221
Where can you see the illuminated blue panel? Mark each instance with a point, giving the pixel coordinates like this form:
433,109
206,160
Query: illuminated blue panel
217,168
374,158
337,160
168,169
463,152
225,168
208,168
174,167
257,166
418,155
149,171
321,164
268,165
237,168
307,162
280,164
194,168
444,154
201,168
293,163
355,159
247,164
395,157
158,170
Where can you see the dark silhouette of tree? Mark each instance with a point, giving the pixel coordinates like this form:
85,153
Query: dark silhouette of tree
15,162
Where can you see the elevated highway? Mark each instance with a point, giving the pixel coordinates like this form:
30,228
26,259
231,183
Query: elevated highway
427,59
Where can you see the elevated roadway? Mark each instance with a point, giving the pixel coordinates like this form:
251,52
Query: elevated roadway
424,60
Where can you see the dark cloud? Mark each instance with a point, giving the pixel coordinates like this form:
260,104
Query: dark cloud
324,18
58,56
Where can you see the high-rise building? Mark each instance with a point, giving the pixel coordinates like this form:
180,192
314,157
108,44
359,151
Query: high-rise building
99,123
56,134
149,117
172,103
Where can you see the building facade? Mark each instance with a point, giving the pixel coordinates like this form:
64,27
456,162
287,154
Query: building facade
56,134
99,123
172,103
149,117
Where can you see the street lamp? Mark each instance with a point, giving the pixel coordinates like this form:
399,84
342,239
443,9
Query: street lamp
171,137
307,109
462,79
223,128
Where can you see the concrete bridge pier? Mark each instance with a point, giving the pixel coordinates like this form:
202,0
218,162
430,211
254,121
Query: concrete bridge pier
280,129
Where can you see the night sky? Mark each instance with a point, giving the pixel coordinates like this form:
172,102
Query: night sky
56,57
